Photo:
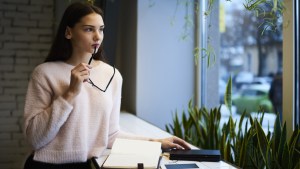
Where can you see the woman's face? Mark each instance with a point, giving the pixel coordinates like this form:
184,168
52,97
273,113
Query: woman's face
87,34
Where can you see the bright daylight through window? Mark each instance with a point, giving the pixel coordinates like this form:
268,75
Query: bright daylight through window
251,53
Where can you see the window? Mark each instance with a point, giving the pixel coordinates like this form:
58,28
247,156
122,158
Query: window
158,67
252,56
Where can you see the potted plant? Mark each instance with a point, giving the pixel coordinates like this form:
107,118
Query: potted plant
246,146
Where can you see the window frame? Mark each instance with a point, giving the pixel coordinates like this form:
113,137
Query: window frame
296,53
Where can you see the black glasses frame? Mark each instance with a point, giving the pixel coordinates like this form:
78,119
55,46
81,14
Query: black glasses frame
93,84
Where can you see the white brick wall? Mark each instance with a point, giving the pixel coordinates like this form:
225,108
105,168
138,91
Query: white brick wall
26,31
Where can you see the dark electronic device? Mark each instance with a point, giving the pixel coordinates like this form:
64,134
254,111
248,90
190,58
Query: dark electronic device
196,155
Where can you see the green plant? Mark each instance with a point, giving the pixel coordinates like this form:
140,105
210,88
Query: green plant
199,127
268,11
243,143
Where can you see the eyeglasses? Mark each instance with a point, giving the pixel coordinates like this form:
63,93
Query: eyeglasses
93,84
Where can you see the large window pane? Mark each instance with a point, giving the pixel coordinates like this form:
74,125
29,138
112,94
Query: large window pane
252,56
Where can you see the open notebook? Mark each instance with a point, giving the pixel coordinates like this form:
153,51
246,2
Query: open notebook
127,153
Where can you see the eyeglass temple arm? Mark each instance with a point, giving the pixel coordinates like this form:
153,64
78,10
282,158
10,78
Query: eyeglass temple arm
111,78
92,55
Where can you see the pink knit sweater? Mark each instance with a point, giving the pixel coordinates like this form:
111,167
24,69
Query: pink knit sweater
62,132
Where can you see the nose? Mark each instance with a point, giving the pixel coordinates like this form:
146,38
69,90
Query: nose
98,35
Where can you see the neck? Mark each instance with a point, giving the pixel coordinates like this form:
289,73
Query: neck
76,62
77,59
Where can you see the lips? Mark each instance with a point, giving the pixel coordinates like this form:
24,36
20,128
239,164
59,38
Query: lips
95,45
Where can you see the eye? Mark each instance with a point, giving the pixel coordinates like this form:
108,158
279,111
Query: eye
88,29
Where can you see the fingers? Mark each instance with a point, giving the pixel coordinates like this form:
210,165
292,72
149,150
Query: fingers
174,143
181,142
81,72
176,146
82,67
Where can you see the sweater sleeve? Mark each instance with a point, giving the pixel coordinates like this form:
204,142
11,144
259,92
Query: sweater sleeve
43,114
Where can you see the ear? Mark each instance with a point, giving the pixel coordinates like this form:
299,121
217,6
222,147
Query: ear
68,33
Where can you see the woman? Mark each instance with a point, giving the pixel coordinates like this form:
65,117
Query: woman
73,101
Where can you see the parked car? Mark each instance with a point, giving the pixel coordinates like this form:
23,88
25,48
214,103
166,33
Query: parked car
253,98
243,78
262,80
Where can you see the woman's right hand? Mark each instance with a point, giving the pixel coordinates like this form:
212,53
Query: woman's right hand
79,74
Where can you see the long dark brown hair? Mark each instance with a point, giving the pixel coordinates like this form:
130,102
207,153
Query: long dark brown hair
61,49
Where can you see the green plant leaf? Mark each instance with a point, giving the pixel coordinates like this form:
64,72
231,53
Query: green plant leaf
167,128
294,138
297,166
177,126
242,152
228,94
285,156
241,123
232,125
209,54
196,124
294,155
262,142
228,151
282,141
251,120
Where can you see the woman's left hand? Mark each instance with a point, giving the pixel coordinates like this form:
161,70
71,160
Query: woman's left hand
173,143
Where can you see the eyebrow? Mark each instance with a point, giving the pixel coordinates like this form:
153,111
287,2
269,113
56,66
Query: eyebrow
102,26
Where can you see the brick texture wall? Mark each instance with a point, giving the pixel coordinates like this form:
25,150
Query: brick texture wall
26,33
